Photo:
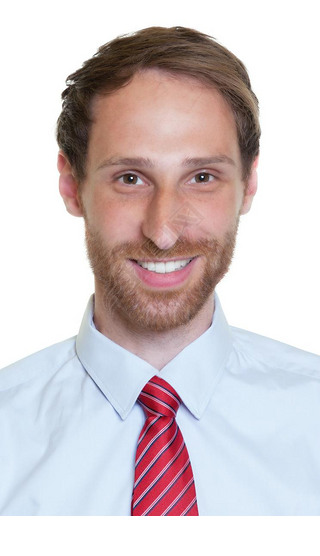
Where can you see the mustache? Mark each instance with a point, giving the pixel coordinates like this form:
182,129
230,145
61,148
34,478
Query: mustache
183,248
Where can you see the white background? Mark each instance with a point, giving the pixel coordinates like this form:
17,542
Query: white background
273,285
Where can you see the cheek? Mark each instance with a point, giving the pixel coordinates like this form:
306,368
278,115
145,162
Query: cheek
216,216
116,221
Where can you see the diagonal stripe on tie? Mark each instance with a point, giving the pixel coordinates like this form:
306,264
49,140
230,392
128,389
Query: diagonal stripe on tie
150,449
164,483
148,464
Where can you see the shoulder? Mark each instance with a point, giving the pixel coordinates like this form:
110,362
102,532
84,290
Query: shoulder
44,362
267,354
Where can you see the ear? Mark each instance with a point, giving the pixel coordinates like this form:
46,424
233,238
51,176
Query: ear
68,186
251,188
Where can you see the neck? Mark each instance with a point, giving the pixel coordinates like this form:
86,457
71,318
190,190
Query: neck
157,348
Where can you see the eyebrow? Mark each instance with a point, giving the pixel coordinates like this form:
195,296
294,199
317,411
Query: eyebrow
148,163
137,161
204,161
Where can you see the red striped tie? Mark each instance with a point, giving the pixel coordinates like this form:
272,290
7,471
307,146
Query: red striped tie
164,483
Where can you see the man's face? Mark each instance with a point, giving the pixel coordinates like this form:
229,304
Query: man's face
161,199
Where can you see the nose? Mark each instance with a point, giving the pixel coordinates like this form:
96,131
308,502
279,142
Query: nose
161,222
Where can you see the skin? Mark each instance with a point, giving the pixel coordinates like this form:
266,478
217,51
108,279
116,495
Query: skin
167,121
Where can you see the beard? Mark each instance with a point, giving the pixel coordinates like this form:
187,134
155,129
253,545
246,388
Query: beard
141,308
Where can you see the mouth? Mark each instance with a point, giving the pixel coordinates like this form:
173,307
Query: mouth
164,274
164,267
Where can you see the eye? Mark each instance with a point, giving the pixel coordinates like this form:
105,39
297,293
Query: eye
130,179
202,177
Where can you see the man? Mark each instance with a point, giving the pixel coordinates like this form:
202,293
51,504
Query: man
158,407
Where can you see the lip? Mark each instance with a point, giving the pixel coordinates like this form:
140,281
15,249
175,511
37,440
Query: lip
163,260
169,280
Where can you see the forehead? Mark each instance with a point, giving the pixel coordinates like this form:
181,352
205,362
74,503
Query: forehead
154,88
163,114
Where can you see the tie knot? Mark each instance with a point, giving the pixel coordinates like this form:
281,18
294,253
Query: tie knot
159,398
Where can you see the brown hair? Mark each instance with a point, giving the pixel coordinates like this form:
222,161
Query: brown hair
177,50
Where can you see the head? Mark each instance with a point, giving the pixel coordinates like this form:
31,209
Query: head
159,135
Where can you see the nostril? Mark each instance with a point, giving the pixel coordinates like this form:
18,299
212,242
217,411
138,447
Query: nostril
165,238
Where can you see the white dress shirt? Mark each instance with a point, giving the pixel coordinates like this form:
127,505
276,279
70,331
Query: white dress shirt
250,417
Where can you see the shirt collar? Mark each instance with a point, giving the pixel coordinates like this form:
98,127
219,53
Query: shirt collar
121,375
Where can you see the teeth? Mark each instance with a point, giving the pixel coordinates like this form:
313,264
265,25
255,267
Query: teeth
164,268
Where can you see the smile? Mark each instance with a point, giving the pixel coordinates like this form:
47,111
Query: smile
164,267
